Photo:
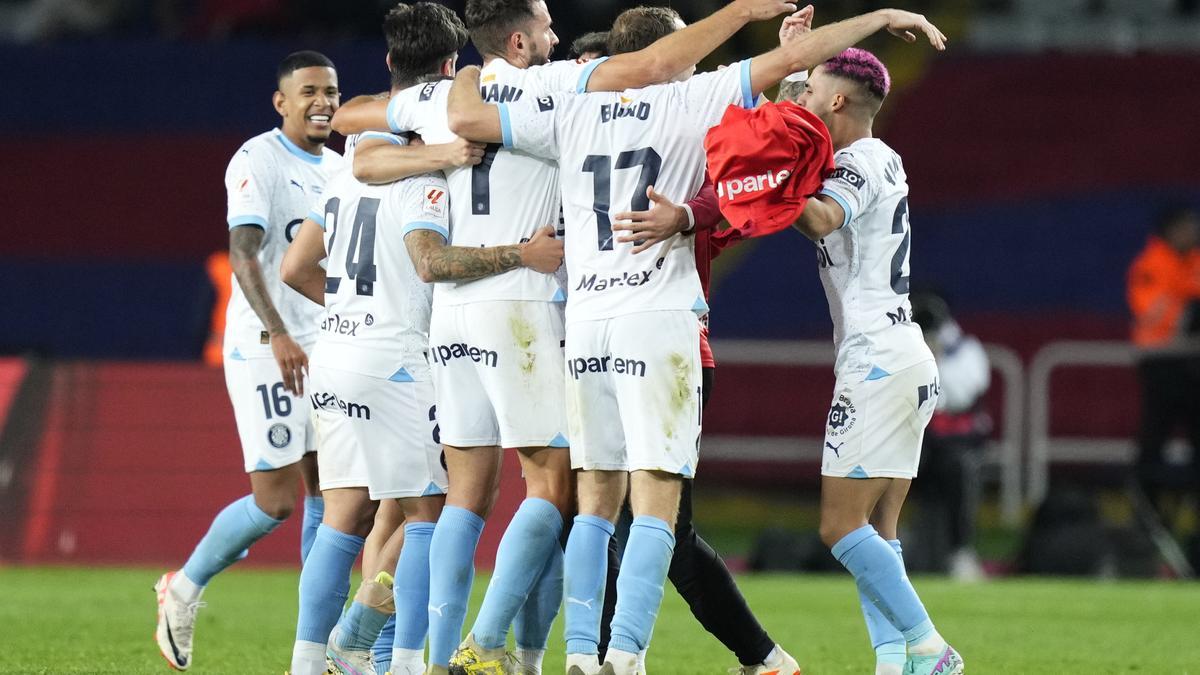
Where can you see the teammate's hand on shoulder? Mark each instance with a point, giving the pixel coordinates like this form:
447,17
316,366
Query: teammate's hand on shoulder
461,152
293,362
902,24
761,10
543,252
796,24
647,228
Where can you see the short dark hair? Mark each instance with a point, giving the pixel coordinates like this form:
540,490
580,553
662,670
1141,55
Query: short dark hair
640,27
302,59
596,42
419,37
1172,216
492,21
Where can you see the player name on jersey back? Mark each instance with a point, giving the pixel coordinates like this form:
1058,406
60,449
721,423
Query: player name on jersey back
270,184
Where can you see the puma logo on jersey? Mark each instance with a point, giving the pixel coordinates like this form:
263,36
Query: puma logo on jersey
835,449
293,182
615,111
584,603
730,189
438,608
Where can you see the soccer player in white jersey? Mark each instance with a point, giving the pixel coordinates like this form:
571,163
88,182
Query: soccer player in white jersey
632,347
887,383
497,343
271,182
371,385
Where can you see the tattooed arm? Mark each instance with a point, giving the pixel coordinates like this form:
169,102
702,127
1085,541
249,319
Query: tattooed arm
244,242
436,261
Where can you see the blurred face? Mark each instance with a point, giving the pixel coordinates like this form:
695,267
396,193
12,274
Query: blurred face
820,95
306,101
1184,234
538,38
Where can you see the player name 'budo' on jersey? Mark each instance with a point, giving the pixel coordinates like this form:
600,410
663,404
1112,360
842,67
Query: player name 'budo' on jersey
377,309
864,265
509,195
610,147
271,183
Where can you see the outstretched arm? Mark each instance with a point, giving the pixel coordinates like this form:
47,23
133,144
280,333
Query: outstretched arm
676,52
822,44
301,267
468,116
436,261
361,113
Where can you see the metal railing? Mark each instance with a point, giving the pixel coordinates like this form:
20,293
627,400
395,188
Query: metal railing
1003,453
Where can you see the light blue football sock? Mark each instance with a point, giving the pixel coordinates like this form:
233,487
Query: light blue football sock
410,588
886,639
234,529
360,626
325,583
531,626
451,572
314,511
532,534
381,652
640,583
585,568
879,573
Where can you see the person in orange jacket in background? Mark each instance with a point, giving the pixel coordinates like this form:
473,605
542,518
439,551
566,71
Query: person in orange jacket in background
221,275
1164,296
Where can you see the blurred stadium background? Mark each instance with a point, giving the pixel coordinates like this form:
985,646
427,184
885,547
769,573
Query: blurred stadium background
1039,148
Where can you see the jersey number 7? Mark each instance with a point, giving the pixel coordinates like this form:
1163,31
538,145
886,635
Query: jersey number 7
601,168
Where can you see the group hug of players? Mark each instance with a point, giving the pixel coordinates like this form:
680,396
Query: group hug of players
406,310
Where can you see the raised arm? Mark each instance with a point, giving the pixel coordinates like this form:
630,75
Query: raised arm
301,267
435,261
682,49
361,113
468,116
822,44
244,243
821,216
380,161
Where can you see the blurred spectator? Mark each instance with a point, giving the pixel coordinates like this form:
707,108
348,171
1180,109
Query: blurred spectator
952,454
220,273
1164,296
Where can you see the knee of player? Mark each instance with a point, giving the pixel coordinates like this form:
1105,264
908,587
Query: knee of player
276,507
835,526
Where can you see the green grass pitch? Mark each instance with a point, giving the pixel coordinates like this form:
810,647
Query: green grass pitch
77,620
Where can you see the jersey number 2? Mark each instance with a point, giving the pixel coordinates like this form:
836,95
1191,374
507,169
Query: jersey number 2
601,167
900,225
360,255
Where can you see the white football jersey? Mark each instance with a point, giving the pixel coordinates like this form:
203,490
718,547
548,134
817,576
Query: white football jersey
271,183
864,264
376,318
509,195
610,146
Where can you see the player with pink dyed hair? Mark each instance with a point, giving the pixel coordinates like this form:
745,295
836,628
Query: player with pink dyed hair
887,382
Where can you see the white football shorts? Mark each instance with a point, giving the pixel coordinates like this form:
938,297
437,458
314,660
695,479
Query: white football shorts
378,434
497,368
275,426
633,392
875,426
